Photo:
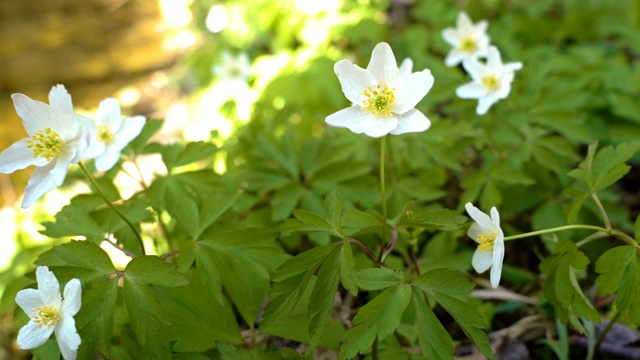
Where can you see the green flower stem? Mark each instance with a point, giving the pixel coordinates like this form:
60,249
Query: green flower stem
605,218
384,200
611,232
111,205
365,250
606,331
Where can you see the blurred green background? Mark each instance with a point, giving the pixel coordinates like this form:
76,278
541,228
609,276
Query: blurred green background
182,60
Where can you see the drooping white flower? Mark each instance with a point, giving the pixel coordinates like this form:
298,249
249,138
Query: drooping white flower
49,312
383,96
468,40
110,134
57,137
233,68
487,233
491,81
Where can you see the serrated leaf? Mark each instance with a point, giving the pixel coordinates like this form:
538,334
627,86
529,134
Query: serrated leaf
86,255
433,338
307,261
313,222
154,270
358,222
378,278
435,219
347,268
148,319
95,318
215,205
323,297
619,270
333,206
377,319
75,219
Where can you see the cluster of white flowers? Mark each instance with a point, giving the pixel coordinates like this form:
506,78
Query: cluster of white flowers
58,137
491,81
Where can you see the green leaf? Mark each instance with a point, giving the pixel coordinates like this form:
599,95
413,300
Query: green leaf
323,297
433,338
313,222
619,270
148,318
450,289
154,270
347,269
435,219
198,319
215,205
47,351
636,228
230,352
150,128
357,222
75,219
333,206
378,278
86,255
95,318
376,319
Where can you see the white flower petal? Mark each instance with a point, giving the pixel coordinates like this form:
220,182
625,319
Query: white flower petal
494,61
475,231
478,216
383,64
31,336
60,99
354,80
129,129
406,67
48,286
40,183
412,90
106,160
35,115
68,338
29,299
94,149
496,267
451,36
485,103
495,216
512,66
360,121
481,261
464,22
475,69
72,297
471,90
109,113
18,156
411,121
454,57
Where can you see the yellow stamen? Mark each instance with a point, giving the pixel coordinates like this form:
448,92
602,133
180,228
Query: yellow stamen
486,241
380,99
468,45
491,82
104,134
46,144
46,316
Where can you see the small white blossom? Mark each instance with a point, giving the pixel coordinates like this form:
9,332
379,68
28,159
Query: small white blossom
49,312
57,137
469,40
383,96
233,68
110,134
487,233
491,81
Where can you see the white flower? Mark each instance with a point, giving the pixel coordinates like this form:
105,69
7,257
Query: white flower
49,312
57,137
487,233
491,81
383,96
233,68
110,134
469,41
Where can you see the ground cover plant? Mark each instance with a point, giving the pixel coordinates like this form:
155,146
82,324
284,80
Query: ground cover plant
427,181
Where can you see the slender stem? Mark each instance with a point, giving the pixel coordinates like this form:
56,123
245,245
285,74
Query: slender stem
605,218
111,205
555,229
365,250
384,200
592,237
124,251
606,331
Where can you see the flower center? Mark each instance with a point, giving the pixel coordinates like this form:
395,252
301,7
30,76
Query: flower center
46,144
486,241
491,82
468,44
104,134
46,316
380,99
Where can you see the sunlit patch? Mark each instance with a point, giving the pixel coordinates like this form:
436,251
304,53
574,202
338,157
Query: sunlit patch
217,18
380,99
491,82
486,241
312,7
46,316
46,144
